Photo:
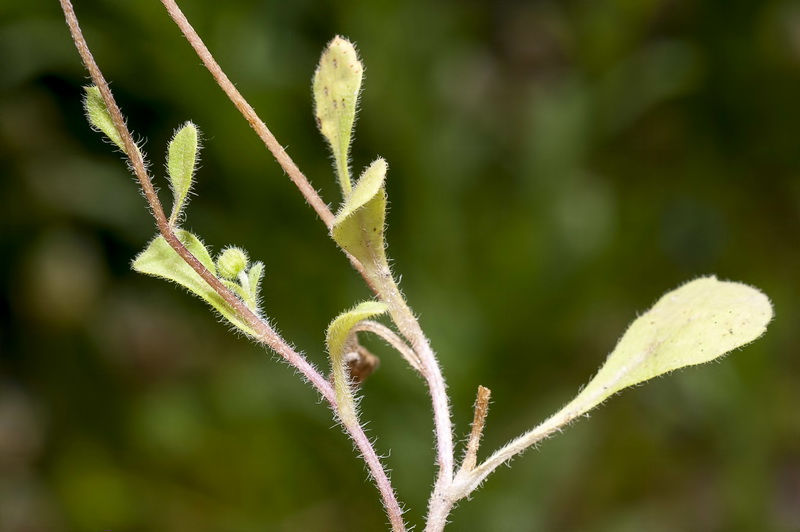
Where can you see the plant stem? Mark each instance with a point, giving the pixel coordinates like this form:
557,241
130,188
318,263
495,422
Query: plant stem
264,332
478,422
279,152
388,290
409,327
442,503
261,129
392,339
139,167
468,481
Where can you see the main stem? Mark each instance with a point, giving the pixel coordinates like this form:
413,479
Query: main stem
409,327
383,284
264,332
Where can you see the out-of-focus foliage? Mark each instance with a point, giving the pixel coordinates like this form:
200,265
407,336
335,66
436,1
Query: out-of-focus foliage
568,161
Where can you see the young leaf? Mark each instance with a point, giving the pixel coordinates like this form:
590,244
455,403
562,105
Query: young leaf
337,83
181,164
336,339
99,117
358,227
254,275
696,323
160,260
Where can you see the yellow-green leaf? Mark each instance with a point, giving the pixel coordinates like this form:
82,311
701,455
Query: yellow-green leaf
336,339
696,323
337,83
160,260
181,164
358,227
254,275
99,117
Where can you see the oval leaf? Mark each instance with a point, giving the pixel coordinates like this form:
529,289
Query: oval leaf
160,260
696,323
337,83
336,339
181,164
358,227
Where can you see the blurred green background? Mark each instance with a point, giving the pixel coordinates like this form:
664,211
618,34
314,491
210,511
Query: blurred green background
554,168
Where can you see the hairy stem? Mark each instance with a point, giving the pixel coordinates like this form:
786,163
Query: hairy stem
409,327
264,332
298,178
261,129
442,505
139,167
388,291
392,339
555,423
478,422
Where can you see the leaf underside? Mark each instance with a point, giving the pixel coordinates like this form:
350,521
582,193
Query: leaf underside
696,323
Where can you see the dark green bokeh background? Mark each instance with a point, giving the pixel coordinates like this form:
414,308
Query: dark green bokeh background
554,168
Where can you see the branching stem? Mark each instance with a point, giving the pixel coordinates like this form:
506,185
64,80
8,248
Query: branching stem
382,285
392,339
264,333
409,327
284,160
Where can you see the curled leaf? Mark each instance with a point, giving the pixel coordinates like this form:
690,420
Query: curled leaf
160,260
337,340
696,323
358,227
181,164
99,117
337,83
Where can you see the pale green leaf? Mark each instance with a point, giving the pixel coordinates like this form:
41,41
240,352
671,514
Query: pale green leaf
99,117
358,227
696,323
337,339
254,275
181,164
160,260
337,83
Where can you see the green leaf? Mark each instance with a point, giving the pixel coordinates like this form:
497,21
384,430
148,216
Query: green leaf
337,339
337,83
696,323
99,117
160,260
254,275
181,164
358,227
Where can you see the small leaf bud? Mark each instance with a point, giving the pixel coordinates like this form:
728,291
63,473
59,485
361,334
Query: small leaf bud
231,262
